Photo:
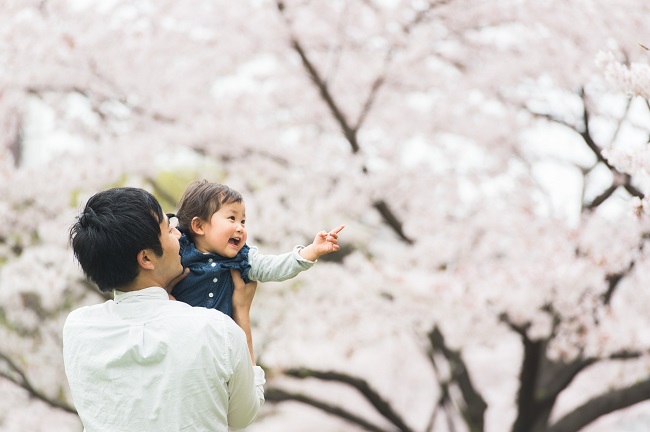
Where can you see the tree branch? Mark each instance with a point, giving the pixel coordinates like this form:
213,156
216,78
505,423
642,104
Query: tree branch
620,179
274,395
374,89
620,121
348,131
379,403
392,221
613,280
19,378
601,198
601,405
475,406
15,146
541,380
161,193
633,190
585,133
97,99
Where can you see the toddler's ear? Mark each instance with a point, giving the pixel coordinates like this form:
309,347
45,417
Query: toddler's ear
197,225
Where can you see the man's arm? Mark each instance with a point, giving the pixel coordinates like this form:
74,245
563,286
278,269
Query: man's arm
170,286
242,300
246,386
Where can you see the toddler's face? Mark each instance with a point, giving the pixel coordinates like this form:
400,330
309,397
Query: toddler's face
225,232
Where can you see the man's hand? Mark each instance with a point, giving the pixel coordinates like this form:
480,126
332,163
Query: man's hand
324,243
172,283
242,299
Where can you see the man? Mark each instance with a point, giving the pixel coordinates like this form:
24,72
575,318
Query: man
142,362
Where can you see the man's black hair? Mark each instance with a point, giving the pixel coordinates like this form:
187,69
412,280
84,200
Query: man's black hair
113,228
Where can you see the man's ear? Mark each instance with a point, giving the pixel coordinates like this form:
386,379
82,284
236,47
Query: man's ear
196,225
144,259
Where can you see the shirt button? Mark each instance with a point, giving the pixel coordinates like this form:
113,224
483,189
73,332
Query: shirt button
211,295
213,264
210,260
215,280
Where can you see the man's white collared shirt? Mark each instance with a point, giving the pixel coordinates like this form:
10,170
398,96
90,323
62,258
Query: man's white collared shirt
144,363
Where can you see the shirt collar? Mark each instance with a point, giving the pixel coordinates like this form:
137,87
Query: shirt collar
150,293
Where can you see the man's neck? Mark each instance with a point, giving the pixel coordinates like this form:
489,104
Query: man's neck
139,283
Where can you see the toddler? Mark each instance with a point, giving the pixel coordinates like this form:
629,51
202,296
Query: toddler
212,220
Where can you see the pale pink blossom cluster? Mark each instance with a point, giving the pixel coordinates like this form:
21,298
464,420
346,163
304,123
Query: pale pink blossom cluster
633,78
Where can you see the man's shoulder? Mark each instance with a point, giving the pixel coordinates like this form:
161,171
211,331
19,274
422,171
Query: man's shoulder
84,317
88,310
210,324
196,314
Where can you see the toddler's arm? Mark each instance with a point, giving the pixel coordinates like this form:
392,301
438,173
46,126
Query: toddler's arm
265,268
276,268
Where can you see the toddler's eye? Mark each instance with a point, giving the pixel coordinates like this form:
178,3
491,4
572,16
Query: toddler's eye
243,222
232,218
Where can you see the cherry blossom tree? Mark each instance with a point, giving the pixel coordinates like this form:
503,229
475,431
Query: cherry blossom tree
488,160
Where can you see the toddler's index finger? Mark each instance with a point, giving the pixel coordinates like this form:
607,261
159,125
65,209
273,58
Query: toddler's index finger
337,230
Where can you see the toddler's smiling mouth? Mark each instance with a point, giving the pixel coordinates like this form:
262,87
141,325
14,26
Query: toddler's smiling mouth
234,241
